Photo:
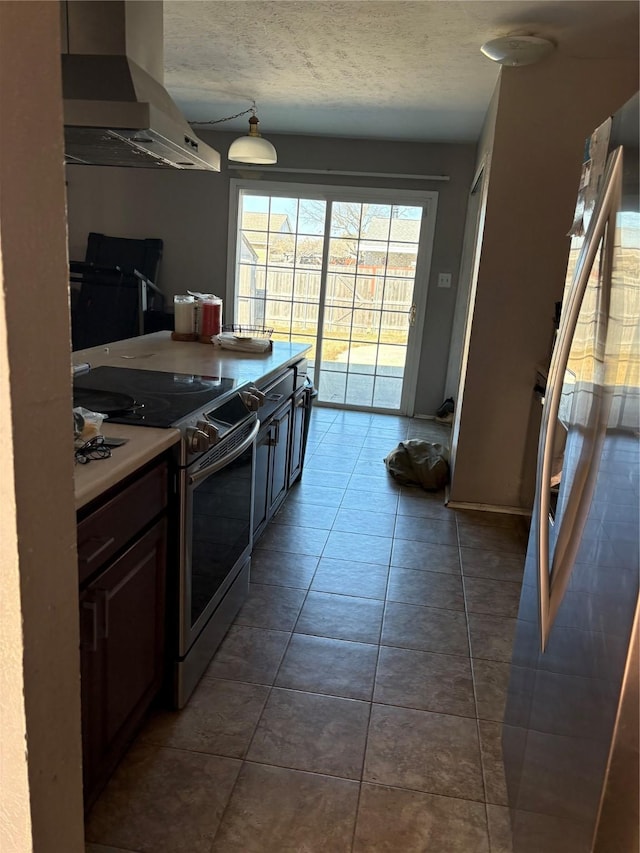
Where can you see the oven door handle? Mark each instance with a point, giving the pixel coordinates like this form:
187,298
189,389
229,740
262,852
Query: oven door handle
221,463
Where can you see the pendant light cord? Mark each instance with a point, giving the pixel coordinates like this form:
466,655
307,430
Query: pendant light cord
252,109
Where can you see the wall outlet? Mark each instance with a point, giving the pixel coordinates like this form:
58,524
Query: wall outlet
444,279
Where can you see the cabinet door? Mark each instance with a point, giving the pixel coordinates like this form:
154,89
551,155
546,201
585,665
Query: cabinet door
122,652
297,431
280,476
262,484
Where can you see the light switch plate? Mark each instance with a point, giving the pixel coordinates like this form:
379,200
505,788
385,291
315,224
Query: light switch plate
444,279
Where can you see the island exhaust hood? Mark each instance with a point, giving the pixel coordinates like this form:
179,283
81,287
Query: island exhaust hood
116,109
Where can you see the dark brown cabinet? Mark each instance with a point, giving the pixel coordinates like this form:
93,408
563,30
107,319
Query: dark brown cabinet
272,466
297,433
280,443
122,619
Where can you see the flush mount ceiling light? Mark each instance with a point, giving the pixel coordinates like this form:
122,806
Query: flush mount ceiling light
517,50
252,148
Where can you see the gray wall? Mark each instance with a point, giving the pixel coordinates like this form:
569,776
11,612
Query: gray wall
189,211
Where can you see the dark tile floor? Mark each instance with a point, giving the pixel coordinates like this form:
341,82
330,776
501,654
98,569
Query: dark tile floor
355,704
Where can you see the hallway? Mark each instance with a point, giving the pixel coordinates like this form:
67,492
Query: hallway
355,704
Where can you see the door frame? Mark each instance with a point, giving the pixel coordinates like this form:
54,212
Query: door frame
474,232
427,199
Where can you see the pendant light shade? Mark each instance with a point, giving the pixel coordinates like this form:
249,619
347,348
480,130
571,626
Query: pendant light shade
253,148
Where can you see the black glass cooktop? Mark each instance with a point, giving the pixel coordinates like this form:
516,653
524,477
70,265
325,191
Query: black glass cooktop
146,397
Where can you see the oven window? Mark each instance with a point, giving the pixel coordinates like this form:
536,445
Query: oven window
221,513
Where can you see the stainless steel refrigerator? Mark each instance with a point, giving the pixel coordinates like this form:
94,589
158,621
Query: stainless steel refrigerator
570,734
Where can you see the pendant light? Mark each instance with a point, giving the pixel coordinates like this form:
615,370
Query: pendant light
253,148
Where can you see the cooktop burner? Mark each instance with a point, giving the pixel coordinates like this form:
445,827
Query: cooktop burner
159,399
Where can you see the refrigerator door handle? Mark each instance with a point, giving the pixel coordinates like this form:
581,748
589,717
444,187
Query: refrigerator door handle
551,589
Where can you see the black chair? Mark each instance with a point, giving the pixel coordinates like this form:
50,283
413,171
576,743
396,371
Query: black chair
113,294
126,254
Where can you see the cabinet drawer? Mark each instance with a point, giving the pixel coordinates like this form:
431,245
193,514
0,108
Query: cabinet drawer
107,530
275,394
301,369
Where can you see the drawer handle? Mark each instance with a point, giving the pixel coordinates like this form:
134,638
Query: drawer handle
103,544
92,607
273,398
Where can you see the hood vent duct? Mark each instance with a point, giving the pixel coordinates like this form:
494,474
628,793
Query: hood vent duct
116,109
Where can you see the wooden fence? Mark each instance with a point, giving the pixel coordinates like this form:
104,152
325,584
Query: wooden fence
282,298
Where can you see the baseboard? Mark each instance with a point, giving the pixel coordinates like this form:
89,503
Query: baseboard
505,510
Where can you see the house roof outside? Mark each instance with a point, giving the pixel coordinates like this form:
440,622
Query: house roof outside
252,221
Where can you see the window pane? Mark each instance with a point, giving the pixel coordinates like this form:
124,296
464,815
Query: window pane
309,251
283,214
332,386
255,245
340,290
346,219
362,358
337,322
251,204
335,354
281,249
398,294
251,312
372,256
387,393
405,224
342,253
247,277
307,286
394,328
311,216
359,389
365,325
391,360
369,291
278,315
305,319
280,283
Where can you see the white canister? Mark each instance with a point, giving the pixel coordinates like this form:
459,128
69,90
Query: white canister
184,313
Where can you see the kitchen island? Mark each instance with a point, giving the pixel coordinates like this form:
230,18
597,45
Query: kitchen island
166,525
158,352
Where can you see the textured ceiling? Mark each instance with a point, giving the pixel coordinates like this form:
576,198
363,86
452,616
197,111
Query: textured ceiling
362,68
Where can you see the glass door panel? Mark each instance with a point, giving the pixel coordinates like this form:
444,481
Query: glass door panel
338,275
368,339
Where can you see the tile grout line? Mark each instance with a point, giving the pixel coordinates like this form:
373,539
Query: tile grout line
475,694
373,689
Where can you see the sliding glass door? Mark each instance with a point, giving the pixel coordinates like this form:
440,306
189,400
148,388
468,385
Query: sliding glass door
344,270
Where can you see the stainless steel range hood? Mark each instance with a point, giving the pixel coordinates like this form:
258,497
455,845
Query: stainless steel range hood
116,110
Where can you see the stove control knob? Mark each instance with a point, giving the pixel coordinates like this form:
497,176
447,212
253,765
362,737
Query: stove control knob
251,401
256,393
197,440
211,430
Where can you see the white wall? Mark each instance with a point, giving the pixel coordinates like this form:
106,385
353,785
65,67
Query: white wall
40,764
544,114
190,211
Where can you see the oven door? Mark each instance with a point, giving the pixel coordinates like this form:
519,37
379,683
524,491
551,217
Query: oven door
215,527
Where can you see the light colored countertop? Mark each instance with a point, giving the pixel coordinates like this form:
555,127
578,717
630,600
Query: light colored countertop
159,352
145,443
